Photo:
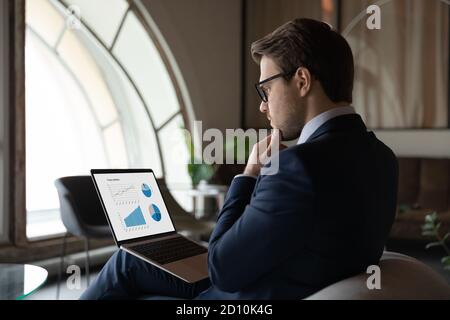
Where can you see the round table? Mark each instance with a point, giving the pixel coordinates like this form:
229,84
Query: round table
208,200
20,280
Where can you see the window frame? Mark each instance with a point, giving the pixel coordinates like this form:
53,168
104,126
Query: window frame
18,248
4,111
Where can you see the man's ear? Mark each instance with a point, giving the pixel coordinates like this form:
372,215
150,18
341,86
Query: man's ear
303,81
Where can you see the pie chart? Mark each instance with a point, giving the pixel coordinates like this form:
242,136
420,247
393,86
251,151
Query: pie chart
146,190
155,213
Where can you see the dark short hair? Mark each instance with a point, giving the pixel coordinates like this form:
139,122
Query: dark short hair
313,45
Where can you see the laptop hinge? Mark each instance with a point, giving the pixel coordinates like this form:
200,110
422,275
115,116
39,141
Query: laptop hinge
142,239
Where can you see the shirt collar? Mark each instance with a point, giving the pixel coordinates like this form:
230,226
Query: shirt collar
320,119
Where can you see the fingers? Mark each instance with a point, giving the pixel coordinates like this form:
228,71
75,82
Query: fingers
264,149
270,145
276,135
267,141
262,152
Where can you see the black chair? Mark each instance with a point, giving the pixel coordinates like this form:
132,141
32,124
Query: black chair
82,215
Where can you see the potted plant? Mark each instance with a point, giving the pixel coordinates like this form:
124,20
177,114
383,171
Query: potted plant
209,197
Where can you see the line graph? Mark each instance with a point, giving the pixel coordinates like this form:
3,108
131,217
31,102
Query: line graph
123,194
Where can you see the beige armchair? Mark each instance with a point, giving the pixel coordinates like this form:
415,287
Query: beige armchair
402,278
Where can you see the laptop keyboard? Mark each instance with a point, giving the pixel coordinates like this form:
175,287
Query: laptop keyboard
169,250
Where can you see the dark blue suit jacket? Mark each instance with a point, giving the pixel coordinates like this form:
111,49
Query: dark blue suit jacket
323,217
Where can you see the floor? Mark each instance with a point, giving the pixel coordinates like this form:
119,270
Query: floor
49,290
417,250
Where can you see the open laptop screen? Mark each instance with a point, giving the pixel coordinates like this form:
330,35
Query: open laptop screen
133,203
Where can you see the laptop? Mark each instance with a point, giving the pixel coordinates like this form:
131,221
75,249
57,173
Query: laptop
141,224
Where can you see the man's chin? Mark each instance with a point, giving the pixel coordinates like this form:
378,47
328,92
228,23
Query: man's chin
288,135
282,134
273,126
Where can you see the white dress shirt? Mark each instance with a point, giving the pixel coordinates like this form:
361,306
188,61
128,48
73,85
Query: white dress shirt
312,125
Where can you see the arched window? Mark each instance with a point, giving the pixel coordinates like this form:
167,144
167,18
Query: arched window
99,94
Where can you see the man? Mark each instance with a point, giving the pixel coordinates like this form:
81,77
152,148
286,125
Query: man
326,213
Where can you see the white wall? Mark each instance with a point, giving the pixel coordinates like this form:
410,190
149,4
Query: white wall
204,37
423,143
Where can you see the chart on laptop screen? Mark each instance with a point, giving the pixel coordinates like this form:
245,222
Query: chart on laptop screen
134,204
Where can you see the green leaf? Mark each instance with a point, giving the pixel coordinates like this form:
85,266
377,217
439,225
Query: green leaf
446,261
430,218
432,244
200,172
427,227
446,237
429,233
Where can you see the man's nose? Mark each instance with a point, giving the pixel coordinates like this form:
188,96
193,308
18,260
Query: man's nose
263,107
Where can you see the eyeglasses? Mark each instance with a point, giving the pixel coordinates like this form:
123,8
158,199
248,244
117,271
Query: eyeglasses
261,91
